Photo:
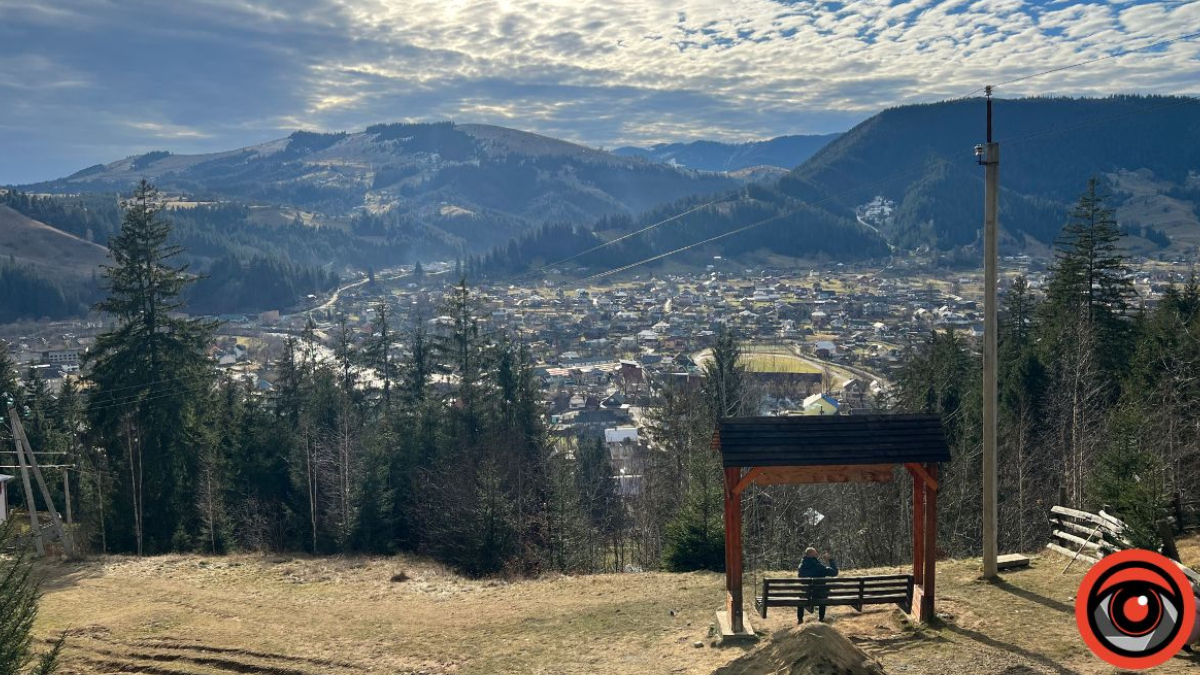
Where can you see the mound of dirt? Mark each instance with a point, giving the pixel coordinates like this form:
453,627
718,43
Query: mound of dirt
814,649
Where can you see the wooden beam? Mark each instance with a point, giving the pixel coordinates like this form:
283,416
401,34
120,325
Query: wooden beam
919,471
35,529
918,530
747,479
799,475
1071,554
931,528
1012,561
733,549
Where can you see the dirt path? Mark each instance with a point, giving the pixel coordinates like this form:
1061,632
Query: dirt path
186,615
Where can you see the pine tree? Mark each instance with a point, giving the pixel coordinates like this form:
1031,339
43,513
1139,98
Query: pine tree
8,376
148,375
1090,282
419,367
462,350
596,486
18,608
379,351
1024,472
725,381
346,355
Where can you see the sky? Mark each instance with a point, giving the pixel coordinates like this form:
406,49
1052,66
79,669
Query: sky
92,81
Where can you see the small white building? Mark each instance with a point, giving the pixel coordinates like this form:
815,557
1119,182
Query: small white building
4,497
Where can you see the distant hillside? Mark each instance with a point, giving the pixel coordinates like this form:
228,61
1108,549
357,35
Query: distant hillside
909,176
454,187
785,152
24,241
44,272
247,263
919,162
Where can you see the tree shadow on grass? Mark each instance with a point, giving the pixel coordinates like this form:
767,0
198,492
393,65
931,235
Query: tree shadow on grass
57,576
1026,594
1034,657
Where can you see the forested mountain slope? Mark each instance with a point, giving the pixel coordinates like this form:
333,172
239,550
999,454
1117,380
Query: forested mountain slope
463,187
44,272
25,241
921,159
909,175
52,250
783,151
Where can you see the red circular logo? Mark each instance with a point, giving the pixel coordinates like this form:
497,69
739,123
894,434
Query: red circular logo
1135,609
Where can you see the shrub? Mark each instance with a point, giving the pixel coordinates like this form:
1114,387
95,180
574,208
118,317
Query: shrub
18,609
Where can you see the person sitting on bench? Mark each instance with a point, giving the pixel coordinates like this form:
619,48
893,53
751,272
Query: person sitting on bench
811,567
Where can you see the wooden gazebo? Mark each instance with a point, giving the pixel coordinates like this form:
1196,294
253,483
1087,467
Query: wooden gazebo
833,449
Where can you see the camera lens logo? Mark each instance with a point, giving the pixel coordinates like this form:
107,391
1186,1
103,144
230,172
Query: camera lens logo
1135,609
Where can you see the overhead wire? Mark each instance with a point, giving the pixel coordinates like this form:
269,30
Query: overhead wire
791,212
1123,52
140,397
1077,64
1048,71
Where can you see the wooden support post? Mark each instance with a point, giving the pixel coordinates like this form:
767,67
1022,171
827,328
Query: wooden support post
67,495
35,529
930,555
918,527
64,536
733,549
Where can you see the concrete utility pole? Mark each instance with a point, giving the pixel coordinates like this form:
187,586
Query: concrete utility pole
990,158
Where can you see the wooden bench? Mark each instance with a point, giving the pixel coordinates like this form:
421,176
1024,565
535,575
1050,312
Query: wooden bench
855,592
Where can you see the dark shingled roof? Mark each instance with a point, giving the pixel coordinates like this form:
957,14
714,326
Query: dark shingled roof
825,440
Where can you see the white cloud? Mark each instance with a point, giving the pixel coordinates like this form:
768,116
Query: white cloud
222,73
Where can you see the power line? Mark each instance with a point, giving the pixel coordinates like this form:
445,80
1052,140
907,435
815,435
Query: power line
1020,139
1011,81
1122,52
1077,64
759,223
610,242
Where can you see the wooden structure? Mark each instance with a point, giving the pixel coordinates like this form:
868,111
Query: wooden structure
1011,561
856,592
832,449
1080,535
28,464
4,497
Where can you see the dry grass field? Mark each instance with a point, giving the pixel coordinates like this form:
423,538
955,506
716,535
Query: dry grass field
58,254
765,358
185,615
775,359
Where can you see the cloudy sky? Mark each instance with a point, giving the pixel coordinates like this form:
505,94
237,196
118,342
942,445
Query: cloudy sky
89,81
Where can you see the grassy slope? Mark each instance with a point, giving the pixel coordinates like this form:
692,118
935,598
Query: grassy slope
291,616
30,242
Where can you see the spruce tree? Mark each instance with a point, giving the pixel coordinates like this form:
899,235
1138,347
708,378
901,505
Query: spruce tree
1090,282
379,350
18,609
725,380
419,368
148,376
346,355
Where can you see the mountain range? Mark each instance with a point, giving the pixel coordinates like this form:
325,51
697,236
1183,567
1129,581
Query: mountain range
783,152
311,206
1144,150
907,179
464,187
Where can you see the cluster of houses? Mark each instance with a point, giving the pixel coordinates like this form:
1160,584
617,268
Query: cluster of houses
601,352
